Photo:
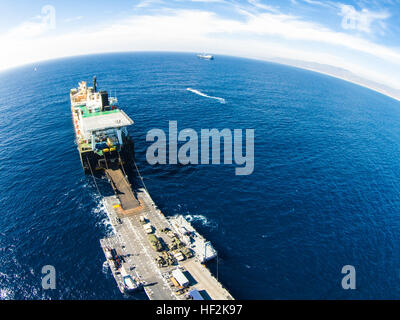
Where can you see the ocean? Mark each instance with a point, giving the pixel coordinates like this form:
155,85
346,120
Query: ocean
325,191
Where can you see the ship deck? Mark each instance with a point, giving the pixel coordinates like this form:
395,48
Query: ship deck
138,256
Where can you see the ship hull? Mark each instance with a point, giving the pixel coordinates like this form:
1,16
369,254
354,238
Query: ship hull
93,163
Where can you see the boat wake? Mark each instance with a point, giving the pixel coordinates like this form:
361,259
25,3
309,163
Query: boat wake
104,223
203,220
221,100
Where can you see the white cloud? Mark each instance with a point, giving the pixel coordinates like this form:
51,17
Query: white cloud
36,26
261,35
148,3
29,29
260,5
72,19
360,20
318,3
314,2
209,1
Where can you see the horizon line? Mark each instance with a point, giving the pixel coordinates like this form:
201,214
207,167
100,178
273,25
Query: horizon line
271,60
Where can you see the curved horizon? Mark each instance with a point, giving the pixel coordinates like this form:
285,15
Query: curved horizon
348,40
336,76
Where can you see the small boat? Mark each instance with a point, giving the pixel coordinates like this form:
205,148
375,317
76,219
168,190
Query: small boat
205,56
130,283
105,267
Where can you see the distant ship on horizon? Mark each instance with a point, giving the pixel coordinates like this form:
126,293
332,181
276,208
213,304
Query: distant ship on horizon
205,56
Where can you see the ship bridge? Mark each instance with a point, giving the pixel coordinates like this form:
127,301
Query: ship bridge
100,128
105,128
105,120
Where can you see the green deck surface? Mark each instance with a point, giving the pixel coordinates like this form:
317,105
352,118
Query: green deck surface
87,114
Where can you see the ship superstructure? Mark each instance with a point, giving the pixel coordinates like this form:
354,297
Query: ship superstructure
100,128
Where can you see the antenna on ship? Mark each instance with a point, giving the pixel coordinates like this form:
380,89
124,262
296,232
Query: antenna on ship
94,83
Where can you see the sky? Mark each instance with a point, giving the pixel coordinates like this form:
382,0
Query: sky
360,36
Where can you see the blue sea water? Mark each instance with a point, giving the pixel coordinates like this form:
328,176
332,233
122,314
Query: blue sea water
325,191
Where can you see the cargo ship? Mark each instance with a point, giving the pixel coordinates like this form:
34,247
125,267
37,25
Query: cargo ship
145,249
100,128
205,56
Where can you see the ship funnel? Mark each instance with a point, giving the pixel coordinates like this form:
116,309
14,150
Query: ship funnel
94,83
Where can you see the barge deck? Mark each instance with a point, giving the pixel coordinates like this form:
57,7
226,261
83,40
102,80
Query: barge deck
139,258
